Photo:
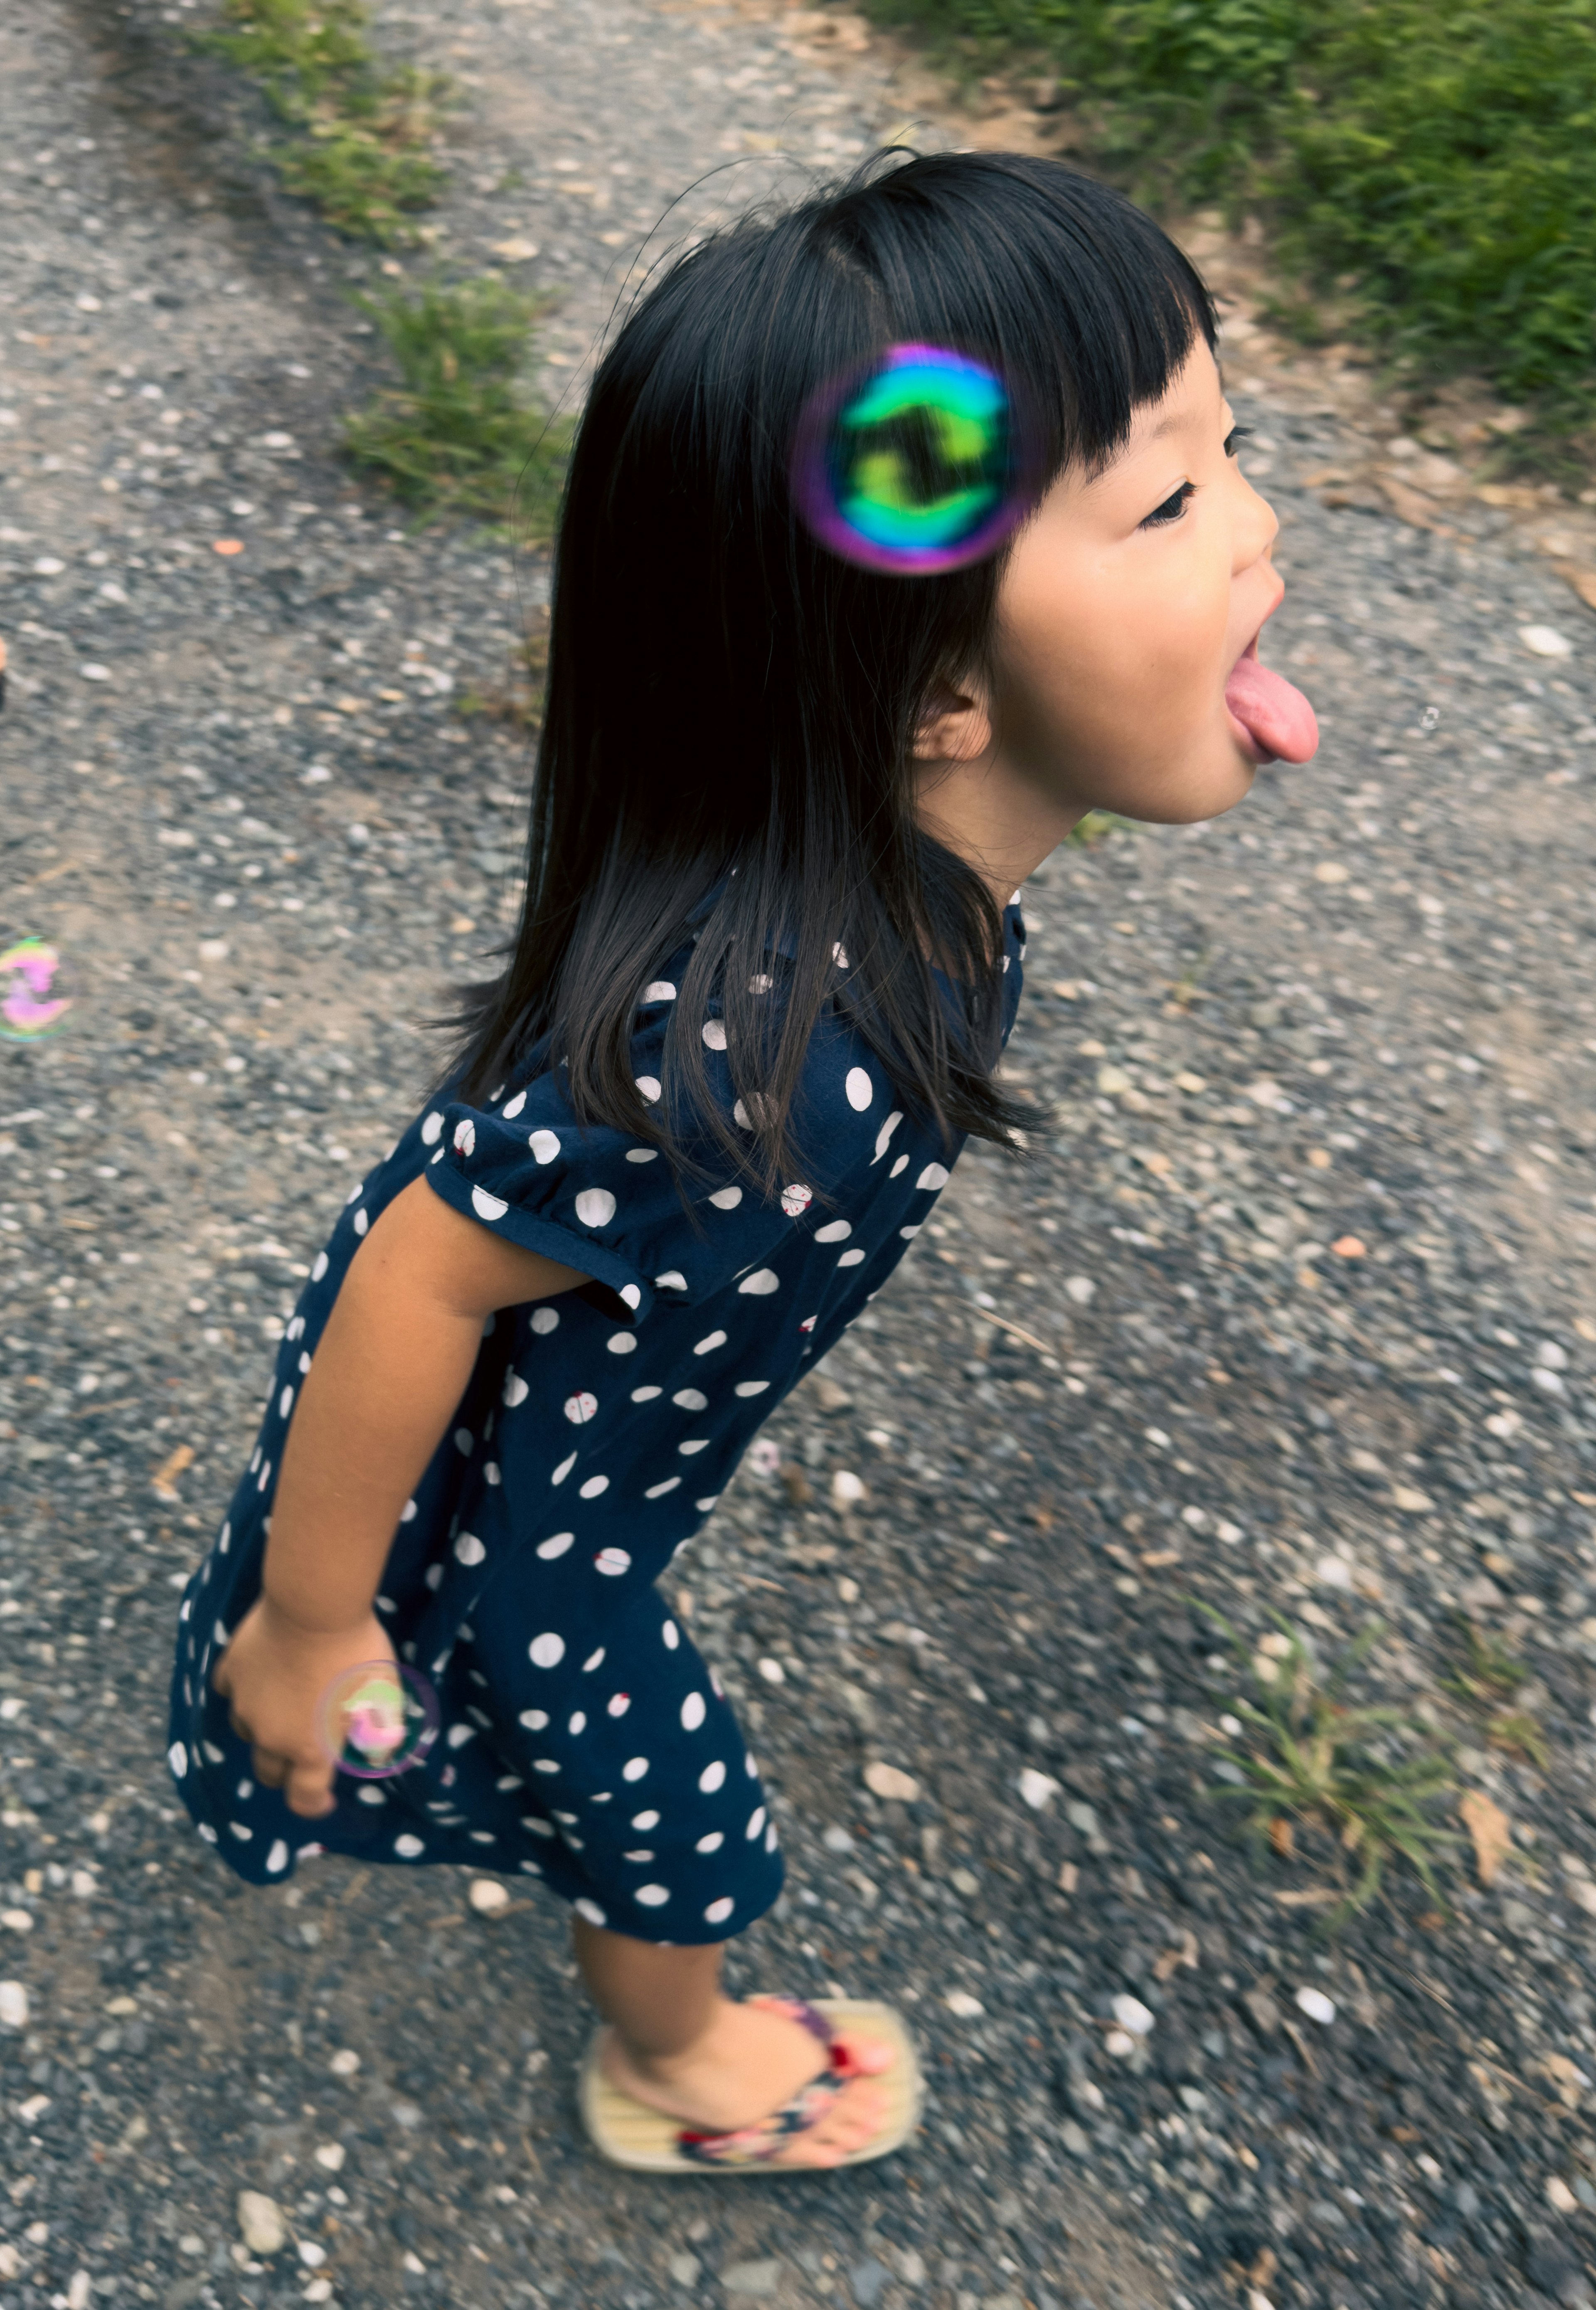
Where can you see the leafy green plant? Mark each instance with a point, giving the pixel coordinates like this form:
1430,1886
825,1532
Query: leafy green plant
1486,1683
1319,1763
363,152
1095,827
459,433
1429,164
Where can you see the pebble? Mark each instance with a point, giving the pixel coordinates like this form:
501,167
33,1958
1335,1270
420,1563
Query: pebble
887,1782
1559,2196
1132,2014
331,2156
846,1489
1545,641
1318,2008
1080,1288
1037,1789
17,1920
488,1896
757,2278
960,2002
684,2268
13,2005
344,2063
261,2224
867,2279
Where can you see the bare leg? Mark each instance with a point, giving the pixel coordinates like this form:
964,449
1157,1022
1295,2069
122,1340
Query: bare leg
678,2045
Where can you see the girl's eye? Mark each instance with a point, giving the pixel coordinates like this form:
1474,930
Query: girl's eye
1172,508
1236,433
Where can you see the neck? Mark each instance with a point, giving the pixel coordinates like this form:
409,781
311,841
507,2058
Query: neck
993,819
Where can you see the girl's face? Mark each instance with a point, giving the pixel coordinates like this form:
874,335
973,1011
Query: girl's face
1131,605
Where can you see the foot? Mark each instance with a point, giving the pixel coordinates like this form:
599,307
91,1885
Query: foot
751,2060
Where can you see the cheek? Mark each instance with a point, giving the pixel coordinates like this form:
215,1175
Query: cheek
1141,634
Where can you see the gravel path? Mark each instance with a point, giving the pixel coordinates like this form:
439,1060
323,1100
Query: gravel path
1292,1312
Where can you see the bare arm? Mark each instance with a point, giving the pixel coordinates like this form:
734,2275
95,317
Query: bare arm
392,1366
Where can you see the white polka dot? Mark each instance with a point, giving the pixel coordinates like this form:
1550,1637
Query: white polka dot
740,1116
362,1221
612,1562
834,1231
672,1635
594,1660
466,1136
464,1442
240,1832
715,1034
458,1735
632,1296
712,1843
547,1651
908,1233
653,1896
177,1757
718,1912
694,1709
545,1320
902,1164
650,1088
634,1769
761,1283
595,1207
712,1777
756,1822
545,1764
885,1134
578,1722
544,1146
707,1345
646,1821
594,1485
580,1407
934,1176
694,1444
642,1154
516,1390
431,1128
278,1856
704,1507
618,1703
750,1387
492,1473
555,1545
433,1576
860,1090
658,1491
851,1258
469,1549
659,990
285,1403
487,1206
726,1199
770,1838
408,1847
672,1279
646,1394
796,1199
514,1106
590,1910
534,1719
690,1399
621,1343
564,1469
320,1267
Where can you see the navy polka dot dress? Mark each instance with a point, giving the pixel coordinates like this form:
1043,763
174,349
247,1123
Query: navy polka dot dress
585,1741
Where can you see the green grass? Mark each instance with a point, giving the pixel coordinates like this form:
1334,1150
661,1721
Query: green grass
1358,1781
1428,166
363,134
459,434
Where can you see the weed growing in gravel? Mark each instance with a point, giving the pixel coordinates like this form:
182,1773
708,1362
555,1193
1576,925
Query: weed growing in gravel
1486,1684
459,434
1095,827
1363,1777
363,155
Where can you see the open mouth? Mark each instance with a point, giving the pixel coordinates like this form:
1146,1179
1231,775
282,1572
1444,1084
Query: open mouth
1273,719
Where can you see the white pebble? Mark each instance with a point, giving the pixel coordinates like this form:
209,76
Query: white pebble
1559,2196
1080,1288
312,2254
885,1781
1545,641
260,2222
488,1896
961,2001
16,1921
1318,2008
773,1672
13,2005
331,2155
846,1490
1120,2044
1132,2014
344,2063
1037,1789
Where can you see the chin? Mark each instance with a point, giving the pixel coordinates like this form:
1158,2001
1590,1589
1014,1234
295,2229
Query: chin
1197,796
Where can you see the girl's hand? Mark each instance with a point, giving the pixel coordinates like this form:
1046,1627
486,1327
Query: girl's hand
275,1673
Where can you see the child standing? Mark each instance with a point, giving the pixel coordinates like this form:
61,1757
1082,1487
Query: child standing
767,960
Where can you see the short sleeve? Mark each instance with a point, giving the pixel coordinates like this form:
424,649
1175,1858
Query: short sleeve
595,1198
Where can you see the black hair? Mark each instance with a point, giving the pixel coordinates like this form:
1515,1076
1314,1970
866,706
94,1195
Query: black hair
731,710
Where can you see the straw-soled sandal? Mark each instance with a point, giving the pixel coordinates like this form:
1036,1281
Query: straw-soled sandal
628,2133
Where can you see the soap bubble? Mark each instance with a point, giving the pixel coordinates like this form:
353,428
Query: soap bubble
28,1011
376,1719
912,466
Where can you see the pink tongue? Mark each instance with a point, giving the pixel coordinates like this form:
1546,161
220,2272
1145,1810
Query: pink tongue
1275,713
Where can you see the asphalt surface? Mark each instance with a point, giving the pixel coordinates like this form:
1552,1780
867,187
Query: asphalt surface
1289,1312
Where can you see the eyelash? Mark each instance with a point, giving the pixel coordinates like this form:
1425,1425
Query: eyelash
1174,506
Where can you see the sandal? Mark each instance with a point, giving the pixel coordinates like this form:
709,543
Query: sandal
628,2133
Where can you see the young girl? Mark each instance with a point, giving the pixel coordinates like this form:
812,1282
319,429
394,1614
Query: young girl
767,962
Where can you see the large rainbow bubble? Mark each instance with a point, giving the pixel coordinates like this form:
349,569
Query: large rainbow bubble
913,466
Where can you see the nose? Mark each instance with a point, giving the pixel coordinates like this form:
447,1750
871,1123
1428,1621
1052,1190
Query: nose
1257,527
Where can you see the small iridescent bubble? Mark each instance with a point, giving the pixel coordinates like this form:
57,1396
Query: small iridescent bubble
912,467
377,1719
28,1009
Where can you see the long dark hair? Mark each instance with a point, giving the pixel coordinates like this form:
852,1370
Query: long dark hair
731,710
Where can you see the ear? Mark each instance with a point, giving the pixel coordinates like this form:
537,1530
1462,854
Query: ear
956,726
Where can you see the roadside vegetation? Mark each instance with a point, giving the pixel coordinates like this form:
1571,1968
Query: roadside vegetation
1428,170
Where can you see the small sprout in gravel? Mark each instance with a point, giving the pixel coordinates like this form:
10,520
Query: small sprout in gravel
1361,1778
1485,1682
1095,827
459,434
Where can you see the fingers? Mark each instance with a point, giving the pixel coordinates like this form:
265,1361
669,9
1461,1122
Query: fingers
308,1789
269,1768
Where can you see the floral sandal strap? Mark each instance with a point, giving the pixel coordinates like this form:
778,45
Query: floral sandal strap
756,2145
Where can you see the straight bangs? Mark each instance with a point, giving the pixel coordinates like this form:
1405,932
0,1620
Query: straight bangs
727,757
